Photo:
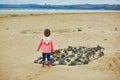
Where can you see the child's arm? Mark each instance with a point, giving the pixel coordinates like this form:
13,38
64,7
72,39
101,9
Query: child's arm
39,45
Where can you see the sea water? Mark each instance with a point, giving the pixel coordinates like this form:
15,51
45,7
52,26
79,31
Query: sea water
54,10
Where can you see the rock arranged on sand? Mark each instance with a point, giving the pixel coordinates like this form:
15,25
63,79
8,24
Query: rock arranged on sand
72,56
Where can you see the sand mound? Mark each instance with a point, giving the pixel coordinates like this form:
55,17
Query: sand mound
108,63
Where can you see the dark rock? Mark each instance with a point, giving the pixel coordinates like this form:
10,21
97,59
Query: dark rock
86,62
35,61
68,60
105,39
53,64
116,28
62,61
39,58
73,63
71,56
79,29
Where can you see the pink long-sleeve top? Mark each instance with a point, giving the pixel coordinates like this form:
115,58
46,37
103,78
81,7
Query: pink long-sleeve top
45,48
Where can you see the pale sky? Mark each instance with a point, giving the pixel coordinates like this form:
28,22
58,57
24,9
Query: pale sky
60,2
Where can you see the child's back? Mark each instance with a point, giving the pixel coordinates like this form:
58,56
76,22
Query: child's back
46,46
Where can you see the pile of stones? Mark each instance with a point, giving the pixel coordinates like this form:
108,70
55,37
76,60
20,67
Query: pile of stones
72,56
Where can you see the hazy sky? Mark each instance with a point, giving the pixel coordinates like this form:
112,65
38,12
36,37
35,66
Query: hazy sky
55,2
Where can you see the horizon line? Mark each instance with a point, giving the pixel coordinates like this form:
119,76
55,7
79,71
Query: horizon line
58,4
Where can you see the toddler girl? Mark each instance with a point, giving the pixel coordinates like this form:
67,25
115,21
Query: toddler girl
46,46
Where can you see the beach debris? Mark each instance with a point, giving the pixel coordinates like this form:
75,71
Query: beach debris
29,31
7,28
23,32
38,60
13,15
79,29
72,56
116,29
105,39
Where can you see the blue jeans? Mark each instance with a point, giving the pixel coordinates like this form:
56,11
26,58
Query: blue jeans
44,55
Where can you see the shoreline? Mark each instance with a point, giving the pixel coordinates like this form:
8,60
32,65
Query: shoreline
20,14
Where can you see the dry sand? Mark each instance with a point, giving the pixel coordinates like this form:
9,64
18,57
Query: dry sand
20,34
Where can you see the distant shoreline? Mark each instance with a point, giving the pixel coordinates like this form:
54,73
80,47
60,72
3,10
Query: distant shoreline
52,11
22,14
55,11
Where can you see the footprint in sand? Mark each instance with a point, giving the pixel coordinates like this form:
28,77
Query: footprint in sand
29,77
43,71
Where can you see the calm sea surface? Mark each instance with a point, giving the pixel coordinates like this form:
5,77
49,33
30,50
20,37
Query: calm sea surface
54,10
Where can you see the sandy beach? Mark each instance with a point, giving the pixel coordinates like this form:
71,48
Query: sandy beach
20,34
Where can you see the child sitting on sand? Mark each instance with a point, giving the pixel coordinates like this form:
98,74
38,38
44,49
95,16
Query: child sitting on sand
46,47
